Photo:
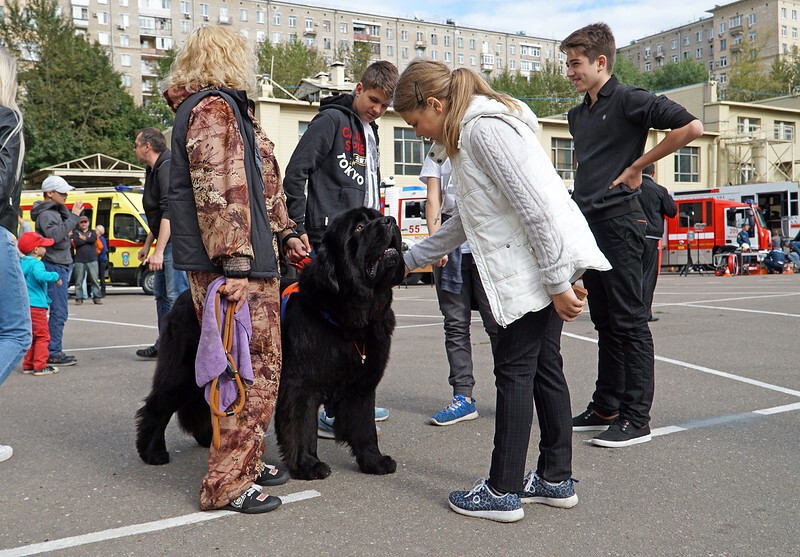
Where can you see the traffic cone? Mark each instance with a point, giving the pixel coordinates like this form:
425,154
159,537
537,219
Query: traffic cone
727,272
788,270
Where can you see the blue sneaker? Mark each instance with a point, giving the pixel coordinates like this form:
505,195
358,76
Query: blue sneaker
458,411
381,414
325,424
482,503
537,490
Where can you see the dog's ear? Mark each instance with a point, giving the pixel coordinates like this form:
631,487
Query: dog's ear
326,270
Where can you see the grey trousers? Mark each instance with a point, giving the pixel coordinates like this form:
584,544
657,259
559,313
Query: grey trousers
457,312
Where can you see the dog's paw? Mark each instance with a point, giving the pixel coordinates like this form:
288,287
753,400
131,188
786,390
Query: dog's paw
383,465
316,471
155,458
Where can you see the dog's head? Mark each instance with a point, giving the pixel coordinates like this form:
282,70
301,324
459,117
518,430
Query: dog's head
362,248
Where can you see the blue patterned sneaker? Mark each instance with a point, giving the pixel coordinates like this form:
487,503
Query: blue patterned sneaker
537,490
480,502
458,411
325,424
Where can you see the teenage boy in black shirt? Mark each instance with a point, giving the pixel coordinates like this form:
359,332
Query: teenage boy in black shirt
610,128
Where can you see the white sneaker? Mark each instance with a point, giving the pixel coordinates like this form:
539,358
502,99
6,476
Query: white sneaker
5,452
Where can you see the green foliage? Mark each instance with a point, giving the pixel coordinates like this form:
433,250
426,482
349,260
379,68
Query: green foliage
685,72
628,73
72,101
547,92
288,63
355,59
749,82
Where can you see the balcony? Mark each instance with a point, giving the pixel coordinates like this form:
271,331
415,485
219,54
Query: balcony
310,31
421,45
224,20
735,47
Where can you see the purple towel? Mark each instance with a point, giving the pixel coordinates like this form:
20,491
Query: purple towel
211,361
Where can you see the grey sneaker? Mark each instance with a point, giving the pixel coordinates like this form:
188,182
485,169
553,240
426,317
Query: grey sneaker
537,490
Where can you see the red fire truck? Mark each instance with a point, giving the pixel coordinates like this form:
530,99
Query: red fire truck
708,225
407,205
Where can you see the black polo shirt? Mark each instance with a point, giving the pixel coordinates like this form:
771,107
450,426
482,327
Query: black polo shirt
609,137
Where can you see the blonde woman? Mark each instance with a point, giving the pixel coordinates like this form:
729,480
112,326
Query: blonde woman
227,210
529,242
15,320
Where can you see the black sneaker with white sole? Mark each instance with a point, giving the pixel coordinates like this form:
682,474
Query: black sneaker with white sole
253,501
590,421
272,476
622,433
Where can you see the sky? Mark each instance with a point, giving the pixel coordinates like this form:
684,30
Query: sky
551,19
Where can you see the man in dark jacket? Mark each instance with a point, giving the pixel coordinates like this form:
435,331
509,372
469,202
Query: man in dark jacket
657,204
54,220
150,148
337,158
85,241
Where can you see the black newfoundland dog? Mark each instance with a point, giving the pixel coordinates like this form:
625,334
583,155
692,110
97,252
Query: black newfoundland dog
336,334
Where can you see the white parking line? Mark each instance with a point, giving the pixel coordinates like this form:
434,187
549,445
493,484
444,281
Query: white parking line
113,323
108,347
778,313
708,370
136,529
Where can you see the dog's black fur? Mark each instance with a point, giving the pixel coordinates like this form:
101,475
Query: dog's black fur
343,309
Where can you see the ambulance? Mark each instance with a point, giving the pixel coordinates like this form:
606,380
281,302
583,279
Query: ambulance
119,210
407,205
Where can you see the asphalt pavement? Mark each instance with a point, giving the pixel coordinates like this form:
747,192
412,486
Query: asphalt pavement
718,478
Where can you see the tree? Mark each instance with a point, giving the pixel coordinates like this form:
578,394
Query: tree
680,74
73,101
547,92
355,59
289,62
628,73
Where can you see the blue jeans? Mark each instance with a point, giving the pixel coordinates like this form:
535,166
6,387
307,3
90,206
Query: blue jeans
168,284
59,309
15,315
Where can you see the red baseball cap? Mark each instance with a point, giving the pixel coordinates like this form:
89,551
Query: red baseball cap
32,240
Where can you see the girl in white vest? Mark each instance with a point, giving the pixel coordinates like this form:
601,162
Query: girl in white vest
530,243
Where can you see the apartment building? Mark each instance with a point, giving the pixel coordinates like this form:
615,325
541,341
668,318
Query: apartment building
139,32
733,32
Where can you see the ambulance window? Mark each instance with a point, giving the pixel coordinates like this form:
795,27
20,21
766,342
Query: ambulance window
414,210
125,227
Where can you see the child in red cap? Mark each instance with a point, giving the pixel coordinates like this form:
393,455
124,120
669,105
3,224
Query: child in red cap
33,244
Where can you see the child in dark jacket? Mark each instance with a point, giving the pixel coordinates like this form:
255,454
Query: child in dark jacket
37,278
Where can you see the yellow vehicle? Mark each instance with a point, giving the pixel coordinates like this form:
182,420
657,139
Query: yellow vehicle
120,211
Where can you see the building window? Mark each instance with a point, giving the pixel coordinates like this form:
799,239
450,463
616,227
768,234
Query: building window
674,44
292,21
647,66
125,60
126,80
326,43
343,28
686,40
276,18
498,48
699,53
125,40
472,44
736,21
752,36
751,20
409,152
326,25
242,14
723,61
260,17
447,40
687,164
784,130
460,59
447,56
512,49
404,36
646,52
460,42
404,53
723,27
261,36
185,6
783,31
292,38
675,58
723,78
420,36
102,18
512,65
277,37
563,152
389,50
723,44
309,23
783,13
434,39
699,37
434,55
102,38
745,125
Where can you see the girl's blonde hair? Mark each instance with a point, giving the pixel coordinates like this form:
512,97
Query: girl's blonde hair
8,98
428,78
214,57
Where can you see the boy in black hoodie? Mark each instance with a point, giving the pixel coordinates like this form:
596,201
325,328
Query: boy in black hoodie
338,158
